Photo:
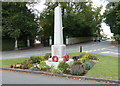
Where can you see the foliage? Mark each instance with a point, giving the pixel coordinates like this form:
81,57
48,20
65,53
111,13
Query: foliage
30,65
63,66
81,60
88,56
77,69
87,65
41,58
58,71
112,17
18,21
51,69
93,57
33,59
116,37
34,69
25,66
85,19
36,59
47,55
83,63
43,66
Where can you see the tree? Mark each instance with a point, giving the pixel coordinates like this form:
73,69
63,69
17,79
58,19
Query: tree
79,19
112,16
17,21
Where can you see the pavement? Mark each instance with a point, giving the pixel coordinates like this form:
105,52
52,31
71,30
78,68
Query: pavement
9,77
103,48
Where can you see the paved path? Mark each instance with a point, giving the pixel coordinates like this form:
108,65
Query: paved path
28,78
104,48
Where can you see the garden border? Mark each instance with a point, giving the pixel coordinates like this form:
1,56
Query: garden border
65,75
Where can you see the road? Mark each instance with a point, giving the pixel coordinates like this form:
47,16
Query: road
29,78
104,48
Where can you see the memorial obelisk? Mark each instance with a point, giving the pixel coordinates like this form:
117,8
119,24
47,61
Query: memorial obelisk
58,49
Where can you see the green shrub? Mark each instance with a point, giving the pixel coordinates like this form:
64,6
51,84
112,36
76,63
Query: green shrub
87,65
41,58
77,69
88,56
36,59
34,69
58,71
51,69
93,57
81,60
63,66
47,55
25,62
43,66
30,65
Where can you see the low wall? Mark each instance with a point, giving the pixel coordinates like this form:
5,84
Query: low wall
75,40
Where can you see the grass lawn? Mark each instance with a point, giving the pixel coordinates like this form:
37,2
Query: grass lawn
8,62
107,67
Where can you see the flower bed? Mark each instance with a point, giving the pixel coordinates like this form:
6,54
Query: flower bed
82,64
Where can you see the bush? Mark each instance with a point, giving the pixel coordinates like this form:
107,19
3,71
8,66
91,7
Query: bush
30,65
81,60
87,65
41,58
75,58
77,69
34,69
43,66
93,57
47,55
36,59
25,62
25,66
58,71
63,66
88,56
51,69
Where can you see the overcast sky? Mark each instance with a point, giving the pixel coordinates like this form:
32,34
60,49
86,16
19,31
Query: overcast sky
96,3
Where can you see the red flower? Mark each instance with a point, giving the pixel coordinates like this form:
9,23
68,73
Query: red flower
66,58
55,59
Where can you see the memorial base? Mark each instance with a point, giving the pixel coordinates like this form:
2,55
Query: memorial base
55,64
58,50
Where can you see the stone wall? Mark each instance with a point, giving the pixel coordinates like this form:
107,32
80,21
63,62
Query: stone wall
75,40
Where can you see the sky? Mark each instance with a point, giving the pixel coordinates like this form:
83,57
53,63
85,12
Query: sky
96,3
